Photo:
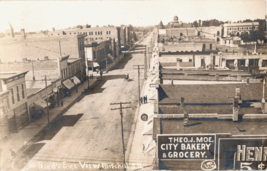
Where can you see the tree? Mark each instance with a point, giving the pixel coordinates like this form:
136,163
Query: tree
195,24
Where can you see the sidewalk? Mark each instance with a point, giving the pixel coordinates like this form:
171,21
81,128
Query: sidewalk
136,154
20,140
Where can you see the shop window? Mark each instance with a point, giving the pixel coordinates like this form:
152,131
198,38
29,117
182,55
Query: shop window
264,63
94,55
22,90
18,93
12,95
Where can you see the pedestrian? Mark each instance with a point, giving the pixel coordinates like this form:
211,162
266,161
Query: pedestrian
101,74
141,99
146,98
61,102
12,154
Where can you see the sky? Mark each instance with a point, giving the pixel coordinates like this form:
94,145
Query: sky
43,15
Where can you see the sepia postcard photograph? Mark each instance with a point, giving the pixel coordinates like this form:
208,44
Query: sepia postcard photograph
133,85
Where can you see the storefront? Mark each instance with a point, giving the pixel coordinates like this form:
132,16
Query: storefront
37,109
21,115
68,85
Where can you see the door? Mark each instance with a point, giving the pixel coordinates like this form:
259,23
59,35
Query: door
21,115
230,64
203,63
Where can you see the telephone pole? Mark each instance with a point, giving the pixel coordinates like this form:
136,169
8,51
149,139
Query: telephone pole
138,67
120,108
145,63
33,77
47,101
60,48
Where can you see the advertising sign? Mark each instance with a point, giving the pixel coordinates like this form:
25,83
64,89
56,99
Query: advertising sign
242,154
186,146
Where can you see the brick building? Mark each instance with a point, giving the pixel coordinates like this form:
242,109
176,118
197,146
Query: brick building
239,28
13,106
100,53
90,33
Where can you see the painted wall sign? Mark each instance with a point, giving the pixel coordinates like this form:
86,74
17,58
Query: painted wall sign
196,147
242,154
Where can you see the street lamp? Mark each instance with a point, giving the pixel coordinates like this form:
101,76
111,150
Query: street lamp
87,77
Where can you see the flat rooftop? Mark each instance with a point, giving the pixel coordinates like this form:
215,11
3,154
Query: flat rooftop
209,93
8,75
209,125
34,48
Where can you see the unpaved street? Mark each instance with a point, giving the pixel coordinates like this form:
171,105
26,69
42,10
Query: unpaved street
89,131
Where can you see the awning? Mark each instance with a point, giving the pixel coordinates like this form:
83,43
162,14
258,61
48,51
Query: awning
68,84
150,111
55,89
149,146
76,80
110,57
148,129
95,64
48,96
41,103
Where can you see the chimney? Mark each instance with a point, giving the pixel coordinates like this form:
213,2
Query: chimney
182,102
237,93
186,117
22,32
178,63
53,29
211,58
46,58
235,109
217,76
239,77
235,104
263,96
247,81
171,82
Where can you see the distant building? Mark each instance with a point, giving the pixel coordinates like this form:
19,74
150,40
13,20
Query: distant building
139,35
178,34
174,24
9,32
239,28
38,48
90,33
98,54
125,36
160,26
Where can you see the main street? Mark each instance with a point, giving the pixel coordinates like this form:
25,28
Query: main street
89,132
